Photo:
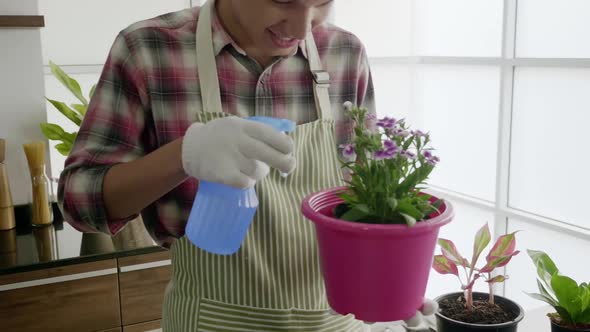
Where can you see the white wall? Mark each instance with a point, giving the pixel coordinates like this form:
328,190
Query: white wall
22,107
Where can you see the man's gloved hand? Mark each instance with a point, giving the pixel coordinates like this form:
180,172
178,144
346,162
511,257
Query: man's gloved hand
428,308
235,151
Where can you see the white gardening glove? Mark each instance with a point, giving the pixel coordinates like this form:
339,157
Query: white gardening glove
235,151
428,308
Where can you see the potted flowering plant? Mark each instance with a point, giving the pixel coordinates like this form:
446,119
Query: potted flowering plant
381,224
472,311
570,300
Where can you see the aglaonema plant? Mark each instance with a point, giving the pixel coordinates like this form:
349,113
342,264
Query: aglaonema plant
499,256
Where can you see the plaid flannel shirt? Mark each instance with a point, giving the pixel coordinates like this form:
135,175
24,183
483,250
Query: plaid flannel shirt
148,95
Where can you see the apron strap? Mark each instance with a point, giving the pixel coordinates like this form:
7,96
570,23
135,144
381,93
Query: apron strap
321,79
209,80
206,67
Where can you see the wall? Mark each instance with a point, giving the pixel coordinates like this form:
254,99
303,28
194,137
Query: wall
22,106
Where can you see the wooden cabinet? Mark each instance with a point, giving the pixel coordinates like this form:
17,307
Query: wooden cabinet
112,295
143,327
143,280
83,297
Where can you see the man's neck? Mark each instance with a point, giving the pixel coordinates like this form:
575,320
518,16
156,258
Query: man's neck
237,33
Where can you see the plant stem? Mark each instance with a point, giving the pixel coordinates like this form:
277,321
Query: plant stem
491,289
469,298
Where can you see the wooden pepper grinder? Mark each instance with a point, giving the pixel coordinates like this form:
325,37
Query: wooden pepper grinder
7,220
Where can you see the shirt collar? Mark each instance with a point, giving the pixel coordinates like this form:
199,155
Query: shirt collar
221,38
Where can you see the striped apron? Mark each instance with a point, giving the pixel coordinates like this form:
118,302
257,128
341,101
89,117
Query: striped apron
273,283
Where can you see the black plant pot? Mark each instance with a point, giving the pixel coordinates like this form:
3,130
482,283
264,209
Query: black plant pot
445,324
557,328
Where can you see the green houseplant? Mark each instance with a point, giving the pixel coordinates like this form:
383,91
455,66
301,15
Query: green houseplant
381,215
134,235
74,112
570,300
469,311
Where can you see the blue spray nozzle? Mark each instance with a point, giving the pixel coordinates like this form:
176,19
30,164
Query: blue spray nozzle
283,125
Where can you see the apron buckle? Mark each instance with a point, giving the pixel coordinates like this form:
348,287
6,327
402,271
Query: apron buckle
321,77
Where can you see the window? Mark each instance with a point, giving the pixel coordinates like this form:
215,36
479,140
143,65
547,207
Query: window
503,88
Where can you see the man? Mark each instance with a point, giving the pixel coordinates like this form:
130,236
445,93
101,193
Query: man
159,121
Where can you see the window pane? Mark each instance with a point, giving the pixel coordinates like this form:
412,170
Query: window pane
82,32
567,251
54,90
553,28
383,25
549,159
458,27
468,220
392,89
459,106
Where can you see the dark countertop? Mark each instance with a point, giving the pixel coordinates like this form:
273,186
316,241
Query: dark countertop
28,248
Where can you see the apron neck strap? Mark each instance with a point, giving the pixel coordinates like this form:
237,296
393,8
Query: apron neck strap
209,80
321,78
206,67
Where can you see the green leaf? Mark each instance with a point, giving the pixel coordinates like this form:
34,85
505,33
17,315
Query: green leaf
410,221
66,111
584,317
52,131
64,148
545,266
405,206
566,291
482,239
356,213
543,298
564,314
70,83
546,292
91,93
81,109
392,202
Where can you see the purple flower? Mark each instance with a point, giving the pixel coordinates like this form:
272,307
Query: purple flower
408,154
427,154
432,160
390,145
419,133
348,151
401,132
387,123
383,154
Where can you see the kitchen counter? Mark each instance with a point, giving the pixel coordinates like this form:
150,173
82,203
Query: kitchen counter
28,248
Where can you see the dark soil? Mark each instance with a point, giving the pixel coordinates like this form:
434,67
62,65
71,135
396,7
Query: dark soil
557,320
482,312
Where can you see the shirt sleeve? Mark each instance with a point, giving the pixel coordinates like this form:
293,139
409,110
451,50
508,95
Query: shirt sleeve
113,131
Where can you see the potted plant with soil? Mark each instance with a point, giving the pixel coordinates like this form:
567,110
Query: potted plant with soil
473,311
570,300
378,232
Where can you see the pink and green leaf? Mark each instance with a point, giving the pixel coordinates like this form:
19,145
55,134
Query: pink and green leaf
498,262
450,251
497,279
482,239
443,265
504,246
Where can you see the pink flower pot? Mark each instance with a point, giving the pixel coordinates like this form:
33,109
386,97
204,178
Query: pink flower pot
377,272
